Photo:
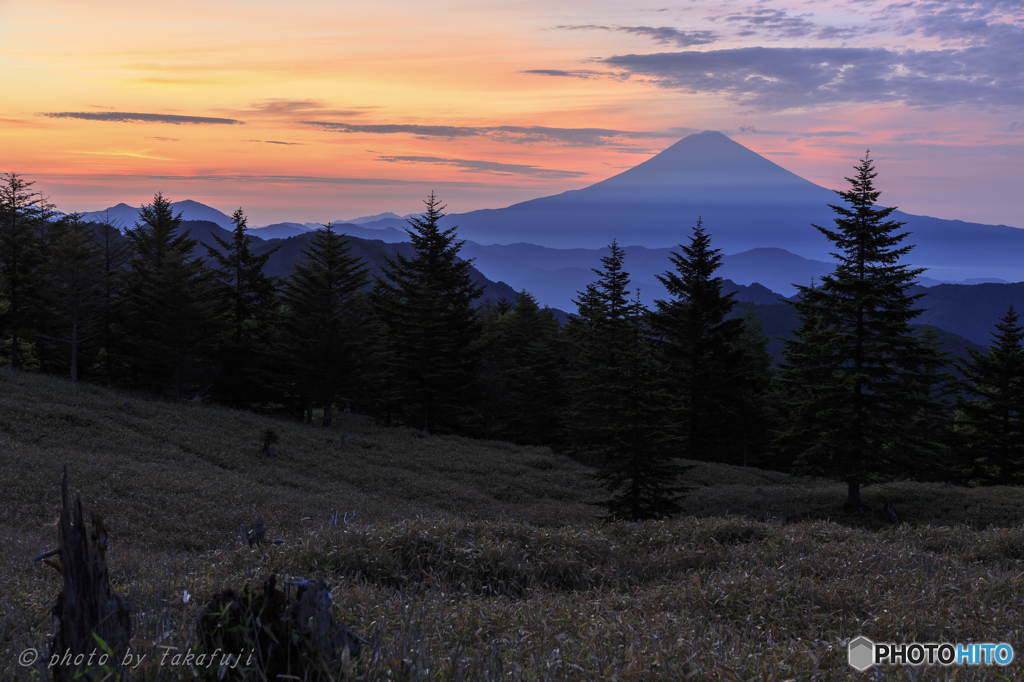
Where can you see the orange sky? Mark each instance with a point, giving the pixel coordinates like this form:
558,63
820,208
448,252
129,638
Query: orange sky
315,111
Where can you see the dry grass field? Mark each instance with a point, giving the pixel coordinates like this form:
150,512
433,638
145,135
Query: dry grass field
472,560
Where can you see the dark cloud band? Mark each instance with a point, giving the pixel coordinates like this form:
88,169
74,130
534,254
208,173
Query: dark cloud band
666,35
125,117
785,78
486,166
575,137
561,73
388,129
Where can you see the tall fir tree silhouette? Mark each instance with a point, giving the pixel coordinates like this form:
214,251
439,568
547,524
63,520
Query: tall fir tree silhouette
992,427
426,303
72,291
115,251
851,373
700,348
176,317
620,413
522,371
21,212
249,297
326,318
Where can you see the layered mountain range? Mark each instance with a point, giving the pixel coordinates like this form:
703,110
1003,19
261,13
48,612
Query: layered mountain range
759,214
745,201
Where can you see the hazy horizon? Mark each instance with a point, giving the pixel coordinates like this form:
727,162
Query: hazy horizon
316,111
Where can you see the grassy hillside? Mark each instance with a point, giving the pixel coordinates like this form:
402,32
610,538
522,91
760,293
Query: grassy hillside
480,560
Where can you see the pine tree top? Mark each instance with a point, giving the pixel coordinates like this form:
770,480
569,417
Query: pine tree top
154,235
1007,348
435,263
867,240
613,281
235,260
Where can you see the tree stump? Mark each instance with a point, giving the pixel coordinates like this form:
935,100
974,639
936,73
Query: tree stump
94,625
275,634
257,535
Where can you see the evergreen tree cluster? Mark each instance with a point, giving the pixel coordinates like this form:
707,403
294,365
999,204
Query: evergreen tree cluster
861,397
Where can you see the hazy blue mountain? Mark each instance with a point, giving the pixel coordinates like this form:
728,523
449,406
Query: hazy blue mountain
126,216
970,310
390,235
285,230
372,251
202,229
746,202
372,218
966,313
281,263
388,229
278,230
555,275
779,320
122,215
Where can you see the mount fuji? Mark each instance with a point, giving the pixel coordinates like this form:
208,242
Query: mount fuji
744,200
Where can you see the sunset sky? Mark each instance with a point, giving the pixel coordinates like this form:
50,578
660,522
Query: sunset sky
316,111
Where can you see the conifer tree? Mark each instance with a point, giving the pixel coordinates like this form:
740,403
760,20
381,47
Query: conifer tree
578,337
752,403
326,320
521,371
933,424
175,313
250,297
621,415
992,428
115,251
850,373
493,404
72,289
426,303
21,213
534,349
699,346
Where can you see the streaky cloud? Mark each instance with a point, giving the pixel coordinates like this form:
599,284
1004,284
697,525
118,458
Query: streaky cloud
126,117
277,142
295,107
573,137
666,35
475,165
578,137
391,128
775,22
928,136
562,73
270,179
750,130
788,78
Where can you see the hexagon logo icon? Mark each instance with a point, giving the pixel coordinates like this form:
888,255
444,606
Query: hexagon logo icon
861,653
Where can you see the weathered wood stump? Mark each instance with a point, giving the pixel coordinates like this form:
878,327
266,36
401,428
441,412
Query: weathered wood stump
94,625
256,535
276,634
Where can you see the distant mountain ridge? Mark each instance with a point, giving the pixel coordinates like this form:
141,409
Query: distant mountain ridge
124,216
283,260
278,231
745,201
380,226
966,313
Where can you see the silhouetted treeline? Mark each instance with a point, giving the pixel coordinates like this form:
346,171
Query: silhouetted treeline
630,390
